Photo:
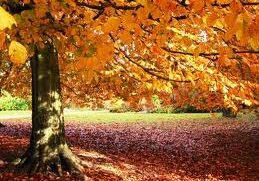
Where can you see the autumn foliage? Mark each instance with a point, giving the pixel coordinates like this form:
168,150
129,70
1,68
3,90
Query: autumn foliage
203,53
117,48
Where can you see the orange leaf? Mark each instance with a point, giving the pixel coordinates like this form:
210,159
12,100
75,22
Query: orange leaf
40,11
2,39
197,5
126,37
211,19
112,24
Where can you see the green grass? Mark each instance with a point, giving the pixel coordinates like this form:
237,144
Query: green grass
107,117
103,116
15,113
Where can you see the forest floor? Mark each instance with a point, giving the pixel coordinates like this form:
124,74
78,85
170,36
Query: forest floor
161,150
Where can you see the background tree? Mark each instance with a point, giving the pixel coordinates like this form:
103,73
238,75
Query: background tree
156,45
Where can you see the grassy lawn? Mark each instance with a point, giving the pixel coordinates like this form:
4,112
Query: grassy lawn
104,116
15,113
108,117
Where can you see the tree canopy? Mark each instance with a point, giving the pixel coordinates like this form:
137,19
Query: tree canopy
133,48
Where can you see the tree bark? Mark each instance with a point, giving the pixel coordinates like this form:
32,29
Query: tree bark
229,113
1,125
48,150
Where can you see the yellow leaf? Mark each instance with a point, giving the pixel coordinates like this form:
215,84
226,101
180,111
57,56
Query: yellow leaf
6,19
182,33
224,1
17,53
219,24
254,43
148,85
142,2
192,81
247,102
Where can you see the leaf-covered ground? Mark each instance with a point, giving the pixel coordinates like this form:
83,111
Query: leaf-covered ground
162,150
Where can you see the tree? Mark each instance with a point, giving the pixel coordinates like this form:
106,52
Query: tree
1,125
110,47
48,148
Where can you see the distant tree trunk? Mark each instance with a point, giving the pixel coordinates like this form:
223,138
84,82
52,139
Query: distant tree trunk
1,125
48,150
228,112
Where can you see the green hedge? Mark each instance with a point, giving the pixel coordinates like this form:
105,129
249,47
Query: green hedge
8,102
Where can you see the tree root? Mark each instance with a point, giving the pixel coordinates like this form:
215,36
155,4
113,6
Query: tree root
63,160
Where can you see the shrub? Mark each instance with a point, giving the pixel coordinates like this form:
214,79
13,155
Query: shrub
8,102
116,105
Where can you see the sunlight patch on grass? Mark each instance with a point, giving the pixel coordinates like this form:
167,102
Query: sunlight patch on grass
15,113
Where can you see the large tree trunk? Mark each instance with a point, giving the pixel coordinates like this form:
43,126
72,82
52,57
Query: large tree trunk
48,150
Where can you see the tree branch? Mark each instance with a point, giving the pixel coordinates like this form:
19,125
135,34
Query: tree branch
71,89
15,7
123,7
126,71
243,3
203,54
91,6
108,3
152,73
223,5
181,17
